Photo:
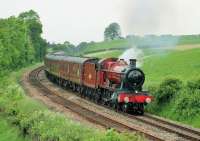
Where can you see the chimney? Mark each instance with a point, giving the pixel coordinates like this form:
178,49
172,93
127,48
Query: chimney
133,63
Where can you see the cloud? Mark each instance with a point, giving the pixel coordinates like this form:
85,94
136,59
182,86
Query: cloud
161,16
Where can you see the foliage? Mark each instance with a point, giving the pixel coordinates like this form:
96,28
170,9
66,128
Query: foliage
187,105
39,123
188,102
32,20
112,32
20,41
194,85
167,89
104,46
183,104
65,47
8,132
189,39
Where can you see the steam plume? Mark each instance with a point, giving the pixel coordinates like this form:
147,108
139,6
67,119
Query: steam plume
133,53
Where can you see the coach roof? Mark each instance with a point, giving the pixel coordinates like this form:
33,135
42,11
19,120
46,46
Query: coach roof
69,58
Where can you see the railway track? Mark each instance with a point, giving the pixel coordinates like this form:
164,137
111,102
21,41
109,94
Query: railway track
184,132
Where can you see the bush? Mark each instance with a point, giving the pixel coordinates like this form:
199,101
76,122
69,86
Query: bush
152,107
193,85
167,89
177,101
187,105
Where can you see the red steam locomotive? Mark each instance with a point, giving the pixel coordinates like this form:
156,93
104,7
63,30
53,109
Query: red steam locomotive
108,81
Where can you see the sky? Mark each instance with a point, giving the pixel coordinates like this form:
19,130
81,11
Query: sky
85,20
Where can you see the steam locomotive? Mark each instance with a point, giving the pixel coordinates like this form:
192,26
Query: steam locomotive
109,81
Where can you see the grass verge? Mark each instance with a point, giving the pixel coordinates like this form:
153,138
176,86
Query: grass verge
9,132
36,122
177,100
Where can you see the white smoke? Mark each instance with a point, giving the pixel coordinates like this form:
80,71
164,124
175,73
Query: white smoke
133,53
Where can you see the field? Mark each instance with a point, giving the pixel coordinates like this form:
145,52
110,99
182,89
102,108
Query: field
183,65
180,66
107,45
160,63
103,54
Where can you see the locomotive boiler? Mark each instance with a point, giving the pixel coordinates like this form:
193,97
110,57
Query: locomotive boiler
109,81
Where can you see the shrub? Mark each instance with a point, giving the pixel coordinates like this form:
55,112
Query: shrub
193,85
167,89
152,107
187,105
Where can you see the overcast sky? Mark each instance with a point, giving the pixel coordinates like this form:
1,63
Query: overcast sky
85,20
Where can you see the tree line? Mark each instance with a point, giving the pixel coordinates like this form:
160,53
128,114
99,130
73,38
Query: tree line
20,41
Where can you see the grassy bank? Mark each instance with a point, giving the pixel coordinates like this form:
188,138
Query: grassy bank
177,100
174,81
183,65
32,119
8,132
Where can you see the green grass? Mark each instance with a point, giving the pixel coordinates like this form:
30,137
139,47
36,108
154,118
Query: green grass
107,45
168,111
188,40
103,49
161,63
9,132
26,116
184,65
113,53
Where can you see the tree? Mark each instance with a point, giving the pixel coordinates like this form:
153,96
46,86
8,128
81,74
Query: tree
112,32
65,47
32,19
82,45
20,41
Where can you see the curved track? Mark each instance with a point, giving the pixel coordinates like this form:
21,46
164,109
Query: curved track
185,132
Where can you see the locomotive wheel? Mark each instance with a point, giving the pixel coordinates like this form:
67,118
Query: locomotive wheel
93,95
90,94
73,87
140,110
77,88
125,108
115,106
83,91
97,97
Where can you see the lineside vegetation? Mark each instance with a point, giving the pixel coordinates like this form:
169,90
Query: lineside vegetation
35,121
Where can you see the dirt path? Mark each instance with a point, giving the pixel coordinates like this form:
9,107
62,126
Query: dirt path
37,95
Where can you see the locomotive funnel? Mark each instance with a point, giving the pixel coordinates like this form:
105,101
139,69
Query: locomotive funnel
133,63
